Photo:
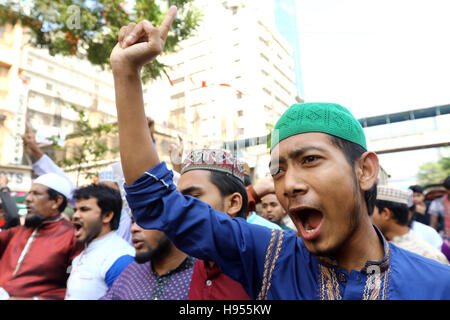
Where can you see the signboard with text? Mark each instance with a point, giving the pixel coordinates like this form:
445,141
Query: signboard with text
19,177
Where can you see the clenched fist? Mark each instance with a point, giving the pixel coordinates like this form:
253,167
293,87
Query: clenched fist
139,44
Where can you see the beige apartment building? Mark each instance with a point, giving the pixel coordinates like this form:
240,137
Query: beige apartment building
231,81
38,88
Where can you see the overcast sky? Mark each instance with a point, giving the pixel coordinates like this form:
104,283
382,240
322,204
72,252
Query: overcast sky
378,56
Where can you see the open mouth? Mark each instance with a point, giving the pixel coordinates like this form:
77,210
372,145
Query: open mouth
308,221
78,225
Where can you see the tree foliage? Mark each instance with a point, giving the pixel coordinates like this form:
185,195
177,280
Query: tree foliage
90,144
89,28
434,172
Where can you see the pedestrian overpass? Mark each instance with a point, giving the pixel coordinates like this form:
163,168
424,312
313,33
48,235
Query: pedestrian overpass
408,130
388,133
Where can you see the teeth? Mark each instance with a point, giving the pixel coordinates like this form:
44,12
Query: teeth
307,229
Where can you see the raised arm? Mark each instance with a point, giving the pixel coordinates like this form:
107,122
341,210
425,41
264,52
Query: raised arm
42,163
138,44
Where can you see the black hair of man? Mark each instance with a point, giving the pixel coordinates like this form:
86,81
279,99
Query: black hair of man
229,184
399,210
416,188
247,180
53,195
447,183
353,152
108,199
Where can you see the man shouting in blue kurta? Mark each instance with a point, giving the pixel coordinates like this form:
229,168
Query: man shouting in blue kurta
324,178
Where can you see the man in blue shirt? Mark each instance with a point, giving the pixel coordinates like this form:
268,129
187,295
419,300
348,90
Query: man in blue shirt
324,177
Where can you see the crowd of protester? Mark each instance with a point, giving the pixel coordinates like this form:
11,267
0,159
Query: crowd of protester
324,228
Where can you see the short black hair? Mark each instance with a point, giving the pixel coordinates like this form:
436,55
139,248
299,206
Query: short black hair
108,199
352,152
53,195
229,184
447,183
247,180
399,210
416,188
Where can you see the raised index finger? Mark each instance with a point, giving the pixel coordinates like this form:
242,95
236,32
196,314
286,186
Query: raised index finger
165,25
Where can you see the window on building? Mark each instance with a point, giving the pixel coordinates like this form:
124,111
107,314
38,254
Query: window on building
4,78
29,61
240,131
240,113
49,86
266,42
264,57
178,80
47,102
50,69
177,119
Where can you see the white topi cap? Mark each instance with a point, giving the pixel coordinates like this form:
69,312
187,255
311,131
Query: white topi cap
56,182
391,194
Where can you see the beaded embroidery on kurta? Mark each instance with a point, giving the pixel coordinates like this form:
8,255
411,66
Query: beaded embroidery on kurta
272,255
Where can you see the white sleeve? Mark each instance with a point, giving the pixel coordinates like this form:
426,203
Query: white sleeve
436,207
176,177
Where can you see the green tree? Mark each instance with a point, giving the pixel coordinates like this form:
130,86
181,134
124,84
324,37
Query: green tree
434,172
89,28
90,145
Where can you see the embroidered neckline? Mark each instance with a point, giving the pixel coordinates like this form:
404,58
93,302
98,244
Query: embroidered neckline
377,282
382,264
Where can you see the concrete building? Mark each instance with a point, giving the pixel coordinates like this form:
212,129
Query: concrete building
230,81
40,89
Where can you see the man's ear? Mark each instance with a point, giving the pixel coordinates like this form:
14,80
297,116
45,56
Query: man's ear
58,201
107,217
386,214
233,204
367,170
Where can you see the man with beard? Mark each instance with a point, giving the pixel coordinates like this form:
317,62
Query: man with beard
34,258
106,254
160,271
324,177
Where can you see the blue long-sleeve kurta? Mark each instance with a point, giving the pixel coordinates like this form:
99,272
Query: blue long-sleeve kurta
275,264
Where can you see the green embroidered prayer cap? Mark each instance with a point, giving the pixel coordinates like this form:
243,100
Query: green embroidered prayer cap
323,117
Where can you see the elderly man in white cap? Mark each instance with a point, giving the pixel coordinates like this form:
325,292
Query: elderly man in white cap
391,216
35,257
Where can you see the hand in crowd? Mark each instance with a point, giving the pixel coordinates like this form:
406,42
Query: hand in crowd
151,127
176,154
264,186
30,144
140,43
3,181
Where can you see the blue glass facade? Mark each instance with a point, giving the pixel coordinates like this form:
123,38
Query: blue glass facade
286,23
